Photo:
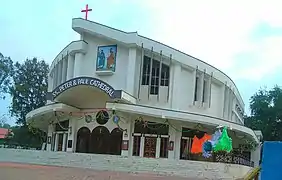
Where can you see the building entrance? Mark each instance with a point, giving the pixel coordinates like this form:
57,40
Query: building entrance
82,142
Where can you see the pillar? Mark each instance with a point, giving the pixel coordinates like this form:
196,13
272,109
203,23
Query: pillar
64,141
223,89
55,76
56,141
127,137
60,72
77,64
175,86
175,136
70,67
131,71
72,135
256,155
49,137
142,143
64,69
158,148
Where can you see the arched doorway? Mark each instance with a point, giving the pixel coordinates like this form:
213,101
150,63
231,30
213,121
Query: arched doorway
83,138
116,140
100,137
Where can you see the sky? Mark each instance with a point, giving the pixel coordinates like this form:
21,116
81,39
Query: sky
241,38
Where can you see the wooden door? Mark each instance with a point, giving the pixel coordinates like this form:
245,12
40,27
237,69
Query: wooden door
60,142
150,147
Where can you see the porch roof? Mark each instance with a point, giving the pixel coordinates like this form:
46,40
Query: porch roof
41,117
181,116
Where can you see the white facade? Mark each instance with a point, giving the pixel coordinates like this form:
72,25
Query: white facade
150,80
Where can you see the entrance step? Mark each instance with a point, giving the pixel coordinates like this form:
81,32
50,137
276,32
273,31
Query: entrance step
167,167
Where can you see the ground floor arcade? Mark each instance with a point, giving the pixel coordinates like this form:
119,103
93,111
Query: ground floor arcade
93,117
114,131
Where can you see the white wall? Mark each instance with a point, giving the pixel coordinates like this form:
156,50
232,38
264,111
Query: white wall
126,77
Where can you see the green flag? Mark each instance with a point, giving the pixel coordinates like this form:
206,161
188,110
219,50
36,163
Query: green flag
224,143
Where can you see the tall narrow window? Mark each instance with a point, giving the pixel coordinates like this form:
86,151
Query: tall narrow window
155,76
196,89
204,98
146,71
165,75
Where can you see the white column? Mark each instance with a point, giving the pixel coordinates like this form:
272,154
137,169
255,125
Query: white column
64,141
50,83
64,70
255,155
77,64
142,143
158,148
56,142
175,136
55,76
50,86
175,86
223,100
131,69
49,136
72,134
60,66
70,67
127,137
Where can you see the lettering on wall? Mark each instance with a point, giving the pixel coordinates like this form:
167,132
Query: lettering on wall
89,81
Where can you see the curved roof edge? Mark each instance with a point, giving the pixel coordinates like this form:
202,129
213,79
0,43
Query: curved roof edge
81,25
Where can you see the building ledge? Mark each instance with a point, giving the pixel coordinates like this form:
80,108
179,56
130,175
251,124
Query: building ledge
104,73
182,116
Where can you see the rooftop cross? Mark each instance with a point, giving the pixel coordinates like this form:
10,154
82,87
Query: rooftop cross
86,11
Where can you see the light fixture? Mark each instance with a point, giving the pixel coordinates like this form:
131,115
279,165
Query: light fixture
125,133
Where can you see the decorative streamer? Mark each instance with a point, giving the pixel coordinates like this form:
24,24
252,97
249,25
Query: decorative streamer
220,141
224,143
207,149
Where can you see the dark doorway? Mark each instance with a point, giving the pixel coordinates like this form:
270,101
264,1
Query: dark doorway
100,137
60,142
116,140
83,138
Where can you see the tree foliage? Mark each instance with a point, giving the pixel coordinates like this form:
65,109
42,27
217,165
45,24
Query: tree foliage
266,113
6,70
28,93
29,89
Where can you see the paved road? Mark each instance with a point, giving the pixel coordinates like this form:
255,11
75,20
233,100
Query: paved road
16,171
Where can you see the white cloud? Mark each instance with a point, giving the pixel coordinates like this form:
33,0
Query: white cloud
216,31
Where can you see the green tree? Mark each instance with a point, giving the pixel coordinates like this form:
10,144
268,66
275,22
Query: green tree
266,113
28,93
30,88
6,70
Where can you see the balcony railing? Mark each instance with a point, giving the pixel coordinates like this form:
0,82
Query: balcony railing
222,157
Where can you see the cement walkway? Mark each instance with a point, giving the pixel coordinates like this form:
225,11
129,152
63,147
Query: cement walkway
19,171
